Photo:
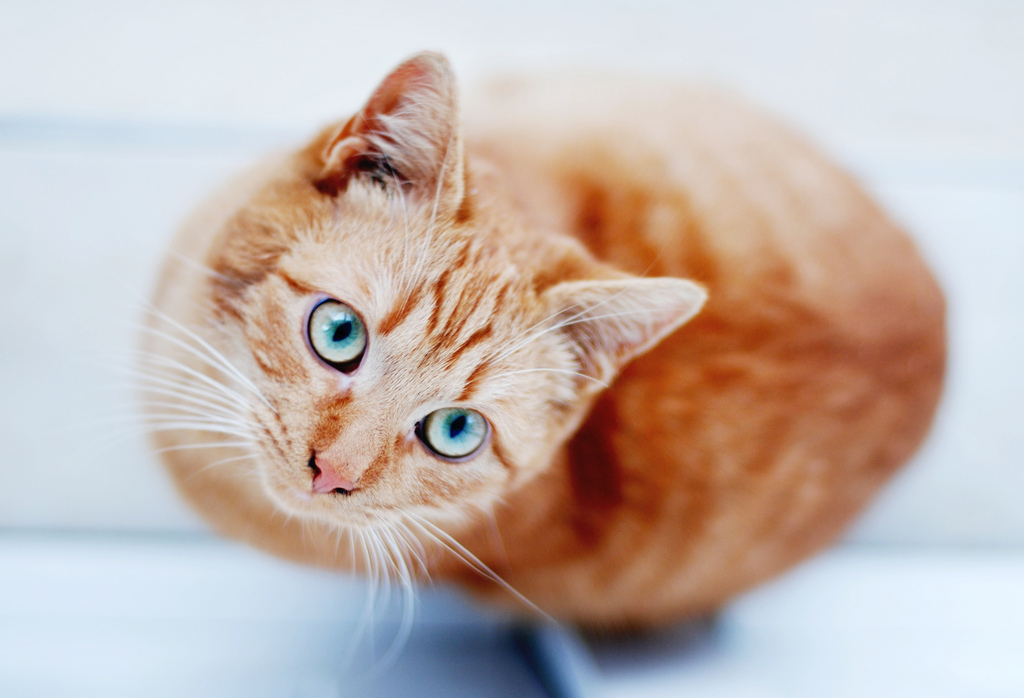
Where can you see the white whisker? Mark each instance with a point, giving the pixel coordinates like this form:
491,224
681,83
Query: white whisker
577,317
408,588
177,422
167,362
194,407
211,444
198,266
225,461
552,370
178,384
429,236
461,552
405,283
198,426
212,357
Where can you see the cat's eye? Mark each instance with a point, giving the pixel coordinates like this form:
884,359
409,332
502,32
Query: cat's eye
337,334
453,432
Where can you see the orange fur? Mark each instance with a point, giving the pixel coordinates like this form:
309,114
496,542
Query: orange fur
723,451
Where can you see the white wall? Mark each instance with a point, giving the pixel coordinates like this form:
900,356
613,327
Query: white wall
116,116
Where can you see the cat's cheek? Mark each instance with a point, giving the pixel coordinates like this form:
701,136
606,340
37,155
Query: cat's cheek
285,496
329,381
342,383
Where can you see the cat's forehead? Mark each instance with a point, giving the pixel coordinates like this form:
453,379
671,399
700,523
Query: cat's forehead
454,284
456,298
387,253
444,327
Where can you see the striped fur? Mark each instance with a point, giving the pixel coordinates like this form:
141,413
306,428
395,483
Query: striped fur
541,269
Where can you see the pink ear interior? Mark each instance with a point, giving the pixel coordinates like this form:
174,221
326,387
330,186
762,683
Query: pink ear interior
403,82
405,127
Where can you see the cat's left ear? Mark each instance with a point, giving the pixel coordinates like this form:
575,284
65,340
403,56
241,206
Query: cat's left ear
406,134
607,323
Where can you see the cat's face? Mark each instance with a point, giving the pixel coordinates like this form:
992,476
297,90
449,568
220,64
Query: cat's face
419,377
412,360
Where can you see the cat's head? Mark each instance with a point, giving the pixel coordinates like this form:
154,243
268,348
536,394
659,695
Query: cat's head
418,349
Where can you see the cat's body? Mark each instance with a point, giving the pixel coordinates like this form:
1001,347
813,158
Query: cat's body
740,443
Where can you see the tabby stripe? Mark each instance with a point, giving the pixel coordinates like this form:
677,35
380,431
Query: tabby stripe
460,261
296,286
499,297
472,382
401,311
499,453
272,371
450,334
284,429
474,339
225,305
273,441
439,288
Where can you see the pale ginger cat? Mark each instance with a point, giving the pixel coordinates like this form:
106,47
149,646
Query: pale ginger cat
632,347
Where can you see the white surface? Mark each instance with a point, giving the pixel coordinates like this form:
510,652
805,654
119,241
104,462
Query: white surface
115,117
847,625
87,616
193,617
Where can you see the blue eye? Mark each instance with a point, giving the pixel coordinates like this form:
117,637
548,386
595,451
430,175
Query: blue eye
337,335
453,432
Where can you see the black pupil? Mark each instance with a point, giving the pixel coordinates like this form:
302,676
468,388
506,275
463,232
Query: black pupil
457,426
342,331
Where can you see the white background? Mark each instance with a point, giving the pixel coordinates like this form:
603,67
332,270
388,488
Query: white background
116,116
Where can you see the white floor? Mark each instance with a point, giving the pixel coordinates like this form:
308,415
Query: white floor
85,616
190,616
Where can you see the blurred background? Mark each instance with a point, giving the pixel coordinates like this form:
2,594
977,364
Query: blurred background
117,116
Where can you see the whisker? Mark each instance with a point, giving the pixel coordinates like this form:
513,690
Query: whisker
225,461
171,422
147,424
414,547
552,370
525,333
408,596
366,622
197,426
406,283
383,575
167,362
211,444
577,317
198,266
428,238
495,533
213,356
195,408
162,382
461,552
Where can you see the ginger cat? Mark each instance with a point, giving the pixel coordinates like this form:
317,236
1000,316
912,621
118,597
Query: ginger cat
629,348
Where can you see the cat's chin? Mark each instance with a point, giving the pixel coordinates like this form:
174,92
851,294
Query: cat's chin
324,509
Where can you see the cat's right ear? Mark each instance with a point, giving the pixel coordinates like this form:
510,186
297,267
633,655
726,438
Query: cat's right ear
406,135
608,322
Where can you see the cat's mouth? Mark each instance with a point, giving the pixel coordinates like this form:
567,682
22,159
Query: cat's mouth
313,491
324,507
320,494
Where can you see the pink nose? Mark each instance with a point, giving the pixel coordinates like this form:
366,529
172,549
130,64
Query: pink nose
326,478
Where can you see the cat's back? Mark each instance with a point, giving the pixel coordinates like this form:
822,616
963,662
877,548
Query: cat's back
661,177
751,436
